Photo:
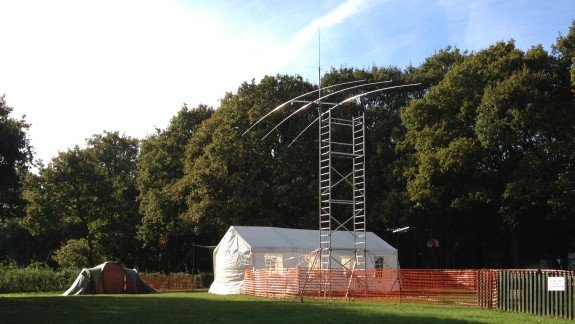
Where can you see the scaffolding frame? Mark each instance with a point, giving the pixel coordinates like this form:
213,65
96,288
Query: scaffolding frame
330,150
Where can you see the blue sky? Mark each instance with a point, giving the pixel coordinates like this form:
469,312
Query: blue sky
78,67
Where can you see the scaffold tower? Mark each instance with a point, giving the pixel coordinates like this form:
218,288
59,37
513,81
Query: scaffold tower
341,190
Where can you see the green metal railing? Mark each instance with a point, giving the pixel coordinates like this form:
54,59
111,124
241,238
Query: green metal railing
539,292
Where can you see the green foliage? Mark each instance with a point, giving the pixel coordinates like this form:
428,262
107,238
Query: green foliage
566,48
204,279
88,194
15,158
74,255
160,166
489,136
36,277
230,179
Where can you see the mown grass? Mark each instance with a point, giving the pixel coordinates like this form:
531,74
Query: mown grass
202,307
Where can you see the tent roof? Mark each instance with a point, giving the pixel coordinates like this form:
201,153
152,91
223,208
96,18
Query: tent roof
287,239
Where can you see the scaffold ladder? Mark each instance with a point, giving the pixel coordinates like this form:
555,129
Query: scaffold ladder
349,147
359,221
325,184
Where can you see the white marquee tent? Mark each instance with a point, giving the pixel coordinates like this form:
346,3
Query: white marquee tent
245,247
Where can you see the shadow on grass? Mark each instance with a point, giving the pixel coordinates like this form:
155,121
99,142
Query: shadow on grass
202,308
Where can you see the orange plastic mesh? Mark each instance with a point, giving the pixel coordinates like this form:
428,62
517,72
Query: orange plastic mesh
169,282
437,286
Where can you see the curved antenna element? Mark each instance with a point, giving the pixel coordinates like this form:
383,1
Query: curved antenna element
298,97
348,100
317,101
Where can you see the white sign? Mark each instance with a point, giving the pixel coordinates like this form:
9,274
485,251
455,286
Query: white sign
556,284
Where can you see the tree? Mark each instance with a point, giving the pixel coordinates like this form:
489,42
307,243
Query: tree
67,198
159,167
115,156
481,137
15,157
87,196
230,179
527,123
565,49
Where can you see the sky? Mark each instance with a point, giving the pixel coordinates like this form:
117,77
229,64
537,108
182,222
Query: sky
76,68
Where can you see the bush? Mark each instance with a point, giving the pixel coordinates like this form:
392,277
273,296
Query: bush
36,277
74,254
204,279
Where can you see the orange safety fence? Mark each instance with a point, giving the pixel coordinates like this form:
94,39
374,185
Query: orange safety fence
541,292
169,282
440,286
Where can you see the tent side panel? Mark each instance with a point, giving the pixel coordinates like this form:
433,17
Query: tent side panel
81,286
232,258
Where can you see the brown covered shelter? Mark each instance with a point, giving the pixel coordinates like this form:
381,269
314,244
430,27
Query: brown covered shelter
108,278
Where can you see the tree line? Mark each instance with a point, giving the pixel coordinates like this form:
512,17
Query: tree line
480,157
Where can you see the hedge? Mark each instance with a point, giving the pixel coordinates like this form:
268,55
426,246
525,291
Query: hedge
38,277
35,278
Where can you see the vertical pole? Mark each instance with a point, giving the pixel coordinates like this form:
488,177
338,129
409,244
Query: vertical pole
505,299
508,290
499,290
571,295
545,295
557,300
530,291
324,193
538,293
501,295
319,147
523,291
514,291
193,258
323,279
364,193
562,299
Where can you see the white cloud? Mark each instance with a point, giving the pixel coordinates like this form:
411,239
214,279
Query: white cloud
475,25
304,36
78,68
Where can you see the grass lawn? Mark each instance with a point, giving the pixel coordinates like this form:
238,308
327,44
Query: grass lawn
202,307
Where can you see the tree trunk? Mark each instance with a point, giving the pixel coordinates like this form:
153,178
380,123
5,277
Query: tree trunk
90,250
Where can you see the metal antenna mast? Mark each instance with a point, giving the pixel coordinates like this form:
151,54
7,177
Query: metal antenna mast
351,147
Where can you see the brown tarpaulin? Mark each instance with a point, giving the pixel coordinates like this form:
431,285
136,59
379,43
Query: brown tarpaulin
108,278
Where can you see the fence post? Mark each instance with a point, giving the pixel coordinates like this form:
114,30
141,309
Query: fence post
514,291
530,292
502,296
561,296
569,296
539,293
521,290
556,295
546,292
505,290
572,298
